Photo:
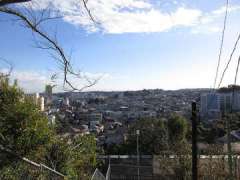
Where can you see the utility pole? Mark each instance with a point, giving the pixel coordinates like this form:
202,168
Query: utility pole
229,148
228,124
138,173
194,142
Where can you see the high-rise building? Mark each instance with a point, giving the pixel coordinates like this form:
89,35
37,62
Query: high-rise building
42,105
48,90
230,98
36,98
223,101
210,107
48,94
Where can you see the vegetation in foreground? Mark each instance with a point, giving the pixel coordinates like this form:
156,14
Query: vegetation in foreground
25,132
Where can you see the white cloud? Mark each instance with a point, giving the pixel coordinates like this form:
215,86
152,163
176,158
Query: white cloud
212,22
222,10
150,21
218,13
31,81
123,16
136,16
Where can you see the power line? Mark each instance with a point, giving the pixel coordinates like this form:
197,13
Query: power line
233,91
229,121
236,74
221,45
230,59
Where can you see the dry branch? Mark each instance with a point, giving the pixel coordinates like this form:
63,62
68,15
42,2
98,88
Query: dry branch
6,2
34,21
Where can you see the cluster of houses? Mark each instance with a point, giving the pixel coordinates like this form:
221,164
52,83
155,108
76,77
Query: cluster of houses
108,114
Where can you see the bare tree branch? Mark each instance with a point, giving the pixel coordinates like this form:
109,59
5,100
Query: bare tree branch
33,21
88,10
6,2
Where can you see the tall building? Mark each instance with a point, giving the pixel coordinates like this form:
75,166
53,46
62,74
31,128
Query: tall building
48,94
36,98
230,98
210,107
42,105
223,101
48,90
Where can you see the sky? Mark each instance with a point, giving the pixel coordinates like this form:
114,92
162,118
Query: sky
135,44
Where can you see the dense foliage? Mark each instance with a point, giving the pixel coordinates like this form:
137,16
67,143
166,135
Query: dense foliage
156,136
25,132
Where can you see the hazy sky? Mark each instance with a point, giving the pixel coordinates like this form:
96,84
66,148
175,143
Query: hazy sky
139,44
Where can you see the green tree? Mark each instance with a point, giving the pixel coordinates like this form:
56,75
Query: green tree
25,131
22,127
152,138
177,128
83,156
